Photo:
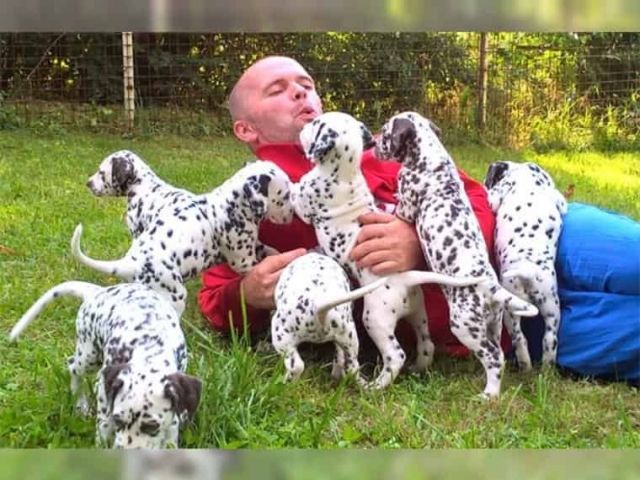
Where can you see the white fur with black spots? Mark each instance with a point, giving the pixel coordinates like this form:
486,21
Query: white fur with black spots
431,195
529,212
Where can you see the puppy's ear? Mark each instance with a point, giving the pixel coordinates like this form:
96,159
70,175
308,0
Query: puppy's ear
495,173
263,182
255,191
324,142
367,138
403,131
112,382
184,393
123,173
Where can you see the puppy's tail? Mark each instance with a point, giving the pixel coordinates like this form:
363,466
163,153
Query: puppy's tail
120,268
508,300
326,304
81,290
410,278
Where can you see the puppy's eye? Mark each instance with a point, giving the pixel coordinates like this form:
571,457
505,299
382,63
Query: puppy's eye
150,428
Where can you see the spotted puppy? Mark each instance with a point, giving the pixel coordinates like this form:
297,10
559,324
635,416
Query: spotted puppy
431,194
529,213
303,314
177,234
331,197
132,335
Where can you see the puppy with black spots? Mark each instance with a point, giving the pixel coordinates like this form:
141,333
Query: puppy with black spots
178,234
331,197
529,212
431,195
305,312
132,335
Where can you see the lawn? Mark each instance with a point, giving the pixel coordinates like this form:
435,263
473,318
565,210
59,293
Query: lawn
43,197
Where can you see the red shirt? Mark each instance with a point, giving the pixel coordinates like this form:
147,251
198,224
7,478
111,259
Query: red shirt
219,298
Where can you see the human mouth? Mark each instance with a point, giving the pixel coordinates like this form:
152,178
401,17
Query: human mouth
307,113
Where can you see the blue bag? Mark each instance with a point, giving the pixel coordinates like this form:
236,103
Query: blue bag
599,334
598,251
598,267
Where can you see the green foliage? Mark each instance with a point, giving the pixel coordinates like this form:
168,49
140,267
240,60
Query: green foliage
9,118
564,91
545,90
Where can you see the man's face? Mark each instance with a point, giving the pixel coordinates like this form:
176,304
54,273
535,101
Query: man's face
280,98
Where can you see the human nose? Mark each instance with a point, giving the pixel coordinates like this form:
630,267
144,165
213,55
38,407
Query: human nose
299,92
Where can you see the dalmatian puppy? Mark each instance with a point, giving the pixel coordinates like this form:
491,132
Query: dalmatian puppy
132,335
331,197
184,464
177,234
313,304
529,212
431,194
302,315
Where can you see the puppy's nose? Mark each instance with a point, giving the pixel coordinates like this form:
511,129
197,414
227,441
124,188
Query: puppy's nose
89,184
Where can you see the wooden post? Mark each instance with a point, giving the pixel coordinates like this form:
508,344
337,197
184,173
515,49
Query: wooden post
128,75
483,69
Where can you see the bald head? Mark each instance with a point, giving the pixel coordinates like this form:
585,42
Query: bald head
250,81
271,102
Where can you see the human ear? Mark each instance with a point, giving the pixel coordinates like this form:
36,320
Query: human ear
245,132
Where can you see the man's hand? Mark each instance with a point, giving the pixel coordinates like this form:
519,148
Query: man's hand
387,244
260,283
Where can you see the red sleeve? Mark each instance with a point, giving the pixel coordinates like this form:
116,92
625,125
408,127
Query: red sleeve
480,204
381,176
219,298
220,292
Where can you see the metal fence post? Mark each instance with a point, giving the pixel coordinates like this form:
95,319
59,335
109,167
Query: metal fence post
483,67
128,74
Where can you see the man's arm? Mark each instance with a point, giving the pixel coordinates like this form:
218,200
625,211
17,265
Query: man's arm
220,295
260,283
387,244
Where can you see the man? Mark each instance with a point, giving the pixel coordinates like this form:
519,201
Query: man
269,105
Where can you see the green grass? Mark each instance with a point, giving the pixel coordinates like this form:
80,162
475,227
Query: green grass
43,197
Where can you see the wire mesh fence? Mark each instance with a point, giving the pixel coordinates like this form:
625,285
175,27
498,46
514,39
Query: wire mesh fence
541,88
